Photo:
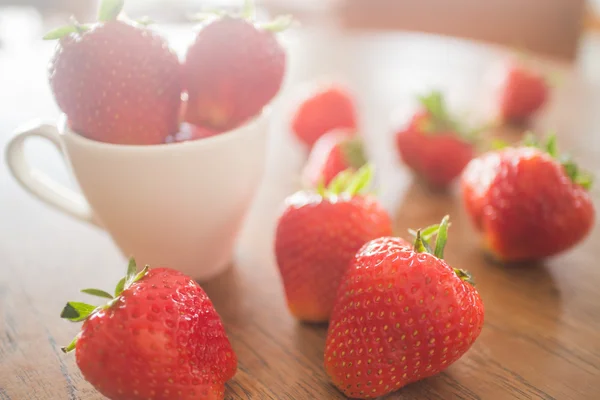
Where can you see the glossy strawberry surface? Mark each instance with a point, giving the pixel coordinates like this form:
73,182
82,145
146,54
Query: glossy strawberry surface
315,241
118,83
523,94
434,145
437,158
328,108
231,72
161,339
525,204
400,316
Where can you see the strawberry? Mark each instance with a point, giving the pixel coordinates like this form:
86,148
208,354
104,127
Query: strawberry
334,152
523,93
158,337
433,145
317,235
402,314
329,108
233,70
529,202
117,82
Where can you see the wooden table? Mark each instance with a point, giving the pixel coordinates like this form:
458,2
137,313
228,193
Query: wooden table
541,338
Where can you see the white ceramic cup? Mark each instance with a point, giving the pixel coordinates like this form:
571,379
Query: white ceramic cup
177,205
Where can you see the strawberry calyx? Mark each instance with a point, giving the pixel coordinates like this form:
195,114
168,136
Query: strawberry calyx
440,120
248,13
75,311
349,182
578,176
354,152
109,10
440,231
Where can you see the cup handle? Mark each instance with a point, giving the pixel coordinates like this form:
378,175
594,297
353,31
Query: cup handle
38,183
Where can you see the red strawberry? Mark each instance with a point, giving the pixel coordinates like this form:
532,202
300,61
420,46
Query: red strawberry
232,70
334,152
117,82
330,108
158,338
402,314
528,202
524,92
433,145
317,236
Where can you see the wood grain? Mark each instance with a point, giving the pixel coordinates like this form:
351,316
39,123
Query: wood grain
541,338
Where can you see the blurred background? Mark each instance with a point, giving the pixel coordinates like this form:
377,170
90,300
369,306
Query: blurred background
386,51
551,26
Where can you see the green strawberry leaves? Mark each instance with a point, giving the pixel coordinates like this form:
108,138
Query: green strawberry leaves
435,105
424,236
422,244
248,13
66,30
279,24
440,120
98,293
249,10
76,311
441,238
110,9
354,152
348,182
550,146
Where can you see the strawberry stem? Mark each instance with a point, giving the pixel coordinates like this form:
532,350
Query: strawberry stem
423,237
421,245
71,346
442,238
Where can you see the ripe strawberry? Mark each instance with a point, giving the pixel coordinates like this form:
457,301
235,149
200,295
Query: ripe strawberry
523,93
334,152
158,338
232,70
329,108
433,145
528,202
318,234
116,81
402,314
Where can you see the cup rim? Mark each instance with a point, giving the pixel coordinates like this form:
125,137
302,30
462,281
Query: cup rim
249,125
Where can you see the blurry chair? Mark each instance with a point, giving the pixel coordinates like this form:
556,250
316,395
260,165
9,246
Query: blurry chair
550,27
